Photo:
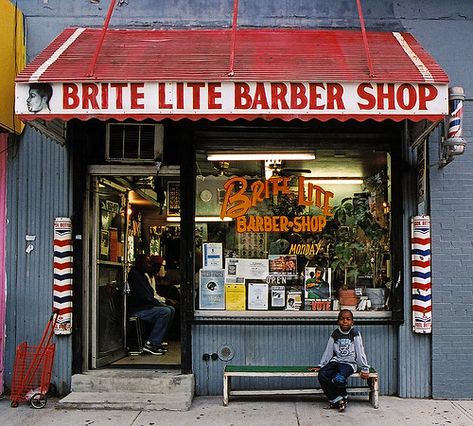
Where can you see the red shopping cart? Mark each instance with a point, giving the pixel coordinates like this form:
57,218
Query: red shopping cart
32,369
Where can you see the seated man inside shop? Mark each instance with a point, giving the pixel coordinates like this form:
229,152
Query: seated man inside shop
142,304
166,291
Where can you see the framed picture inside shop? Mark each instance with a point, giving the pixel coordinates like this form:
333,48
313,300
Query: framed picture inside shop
173,199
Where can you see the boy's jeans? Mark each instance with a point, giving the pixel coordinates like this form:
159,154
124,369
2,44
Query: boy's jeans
333,379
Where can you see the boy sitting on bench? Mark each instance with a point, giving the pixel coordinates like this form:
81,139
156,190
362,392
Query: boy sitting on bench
342,357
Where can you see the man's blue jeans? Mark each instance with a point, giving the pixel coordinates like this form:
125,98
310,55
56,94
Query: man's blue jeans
332,379
161,317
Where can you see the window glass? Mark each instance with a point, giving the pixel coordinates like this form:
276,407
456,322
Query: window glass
296,234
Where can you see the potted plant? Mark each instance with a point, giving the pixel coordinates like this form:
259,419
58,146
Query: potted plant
344,262
358,245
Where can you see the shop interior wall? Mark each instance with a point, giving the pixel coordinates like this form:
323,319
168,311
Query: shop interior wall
38,191
282,343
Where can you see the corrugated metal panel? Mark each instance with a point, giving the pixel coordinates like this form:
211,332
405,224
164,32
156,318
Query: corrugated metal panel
261,55
38,190
415,357
283,344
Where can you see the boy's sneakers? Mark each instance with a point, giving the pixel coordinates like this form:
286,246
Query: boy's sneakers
332,406
153,349
340,405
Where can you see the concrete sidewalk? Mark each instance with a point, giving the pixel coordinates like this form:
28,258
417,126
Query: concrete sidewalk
302,411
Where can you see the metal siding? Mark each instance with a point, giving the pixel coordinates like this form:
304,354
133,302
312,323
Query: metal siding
260,55
414,349
283,344
38,190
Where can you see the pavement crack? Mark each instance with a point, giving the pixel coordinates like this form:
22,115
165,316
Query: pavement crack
297,414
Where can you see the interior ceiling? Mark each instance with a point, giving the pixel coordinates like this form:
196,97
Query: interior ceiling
328,163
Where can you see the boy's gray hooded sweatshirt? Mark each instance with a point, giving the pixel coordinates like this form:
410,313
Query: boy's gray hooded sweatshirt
346,347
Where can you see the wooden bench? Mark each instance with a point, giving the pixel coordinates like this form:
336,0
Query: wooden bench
289,371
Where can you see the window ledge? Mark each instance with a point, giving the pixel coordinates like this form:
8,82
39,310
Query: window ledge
289,315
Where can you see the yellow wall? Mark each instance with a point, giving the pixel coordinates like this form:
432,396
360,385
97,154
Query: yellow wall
12,42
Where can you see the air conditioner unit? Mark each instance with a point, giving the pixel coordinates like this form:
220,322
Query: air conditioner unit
134,142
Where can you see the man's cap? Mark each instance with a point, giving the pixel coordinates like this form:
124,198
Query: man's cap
156,260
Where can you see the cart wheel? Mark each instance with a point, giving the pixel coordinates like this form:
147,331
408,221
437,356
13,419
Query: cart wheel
14,404
38,400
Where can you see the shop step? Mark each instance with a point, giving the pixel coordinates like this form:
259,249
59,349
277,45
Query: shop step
136,401
130,389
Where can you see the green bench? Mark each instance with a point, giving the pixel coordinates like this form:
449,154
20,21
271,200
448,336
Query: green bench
289,371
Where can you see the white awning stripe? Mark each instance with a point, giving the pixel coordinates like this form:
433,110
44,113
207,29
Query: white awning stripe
53,58
413,57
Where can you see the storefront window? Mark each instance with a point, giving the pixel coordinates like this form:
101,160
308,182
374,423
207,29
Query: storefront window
293,234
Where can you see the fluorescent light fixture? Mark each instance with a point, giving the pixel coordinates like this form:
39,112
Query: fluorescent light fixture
335,181
269,156
173,219
201,219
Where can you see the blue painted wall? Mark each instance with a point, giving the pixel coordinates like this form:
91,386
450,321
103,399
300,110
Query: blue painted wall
38,191
444,29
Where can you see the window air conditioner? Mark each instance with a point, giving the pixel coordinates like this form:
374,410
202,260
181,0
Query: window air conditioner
133,142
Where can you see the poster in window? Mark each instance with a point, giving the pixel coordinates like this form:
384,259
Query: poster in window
281,264
212,255
112,206
278,296
257,296
104,242
211,289
317,282
174,199
251,244
294,300
235,297
237,270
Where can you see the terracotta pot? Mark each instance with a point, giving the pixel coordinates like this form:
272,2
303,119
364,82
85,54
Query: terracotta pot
347,297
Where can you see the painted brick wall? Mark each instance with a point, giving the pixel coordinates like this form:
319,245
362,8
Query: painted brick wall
452,270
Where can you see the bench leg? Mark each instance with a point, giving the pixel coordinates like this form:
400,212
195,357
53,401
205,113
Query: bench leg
374,392
226,389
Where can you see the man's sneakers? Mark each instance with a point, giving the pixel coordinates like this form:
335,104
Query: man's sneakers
154,349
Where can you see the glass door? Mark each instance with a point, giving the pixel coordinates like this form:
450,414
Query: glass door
108,270
128,214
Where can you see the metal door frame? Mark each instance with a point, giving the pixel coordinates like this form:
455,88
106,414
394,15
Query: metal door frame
89,319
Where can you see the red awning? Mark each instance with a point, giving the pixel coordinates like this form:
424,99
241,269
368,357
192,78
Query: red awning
278,73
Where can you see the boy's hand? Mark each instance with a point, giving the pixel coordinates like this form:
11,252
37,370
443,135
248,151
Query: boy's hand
314,369
365,375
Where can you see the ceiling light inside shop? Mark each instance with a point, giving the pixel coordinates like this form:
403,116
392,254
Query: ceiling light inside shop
201,219
335,180
266,156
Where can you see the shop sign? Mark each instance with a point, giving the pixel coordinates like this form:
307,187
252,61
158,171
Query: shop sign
240,197
230,98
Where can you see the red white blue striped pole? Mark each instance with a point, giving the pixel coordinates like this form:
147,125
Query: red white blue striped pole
421,275
62,288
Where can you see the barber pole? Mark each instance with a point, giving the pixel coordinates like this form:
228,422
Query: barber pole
421,275
456,112
62,288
